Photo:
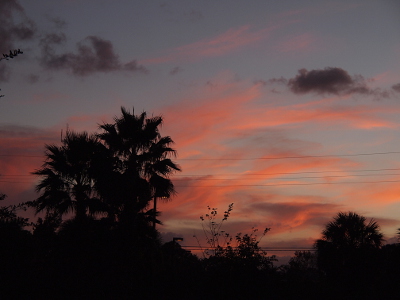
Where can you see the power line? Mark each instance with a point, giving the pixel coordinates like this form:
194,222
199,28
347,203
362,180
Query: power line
255,158
294,178
16,175
15,181
8,178
288,184
262,185
261,174
293,173
303,156
262,248
21,155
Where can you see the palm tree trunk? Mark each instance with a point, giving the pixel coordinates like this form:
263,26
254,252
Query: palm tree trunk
80,213
155,211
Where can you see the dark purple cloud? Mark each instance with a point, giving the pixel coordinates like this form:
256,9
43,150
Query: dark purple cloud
11,31
195,15
32,78
396,87
175,70
93,55
58,22
327,81
4,72
331,80
280,80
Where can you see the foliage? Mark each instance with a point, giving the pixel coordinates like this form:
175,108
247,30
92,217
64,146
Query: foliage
303,260
348,250
68,176
224,251
350,231
141,166
114,174
246,253
109,180
12,54
47,227
9,217
215,237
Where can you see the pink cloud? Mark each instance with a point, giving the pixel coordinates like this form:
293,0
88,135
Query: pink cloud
385,190
231,119
22,151
305,42
49,97
219,45
233,110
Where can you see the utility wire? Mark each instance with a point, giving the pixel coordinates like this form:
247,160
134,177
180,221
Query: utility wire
288,184
262,185
21,155
250,174
255,158
262,248
292,178
302,156
292,173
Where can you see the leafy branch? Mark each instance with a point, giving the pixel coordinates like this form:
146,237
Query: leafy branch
212,229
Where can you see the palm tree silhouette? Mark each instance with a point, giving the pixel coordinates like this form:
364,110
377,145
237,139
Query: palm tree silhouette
68,177
348,248
142,165
350,230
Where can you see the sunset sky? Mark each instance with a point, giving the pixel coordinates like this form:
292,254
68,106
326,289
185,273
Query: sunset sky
288,109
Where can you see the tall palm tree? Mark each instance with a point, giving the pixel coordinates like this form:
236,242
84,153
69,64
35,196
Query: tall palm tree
142,163
67,184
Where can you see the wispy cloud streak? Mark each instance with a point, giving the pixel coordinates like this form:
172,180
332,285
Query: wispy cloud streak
224,43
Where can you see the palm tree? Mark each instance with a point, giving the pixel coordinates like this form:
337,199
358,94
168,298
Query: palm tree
350,230
142,164
68,174
348,244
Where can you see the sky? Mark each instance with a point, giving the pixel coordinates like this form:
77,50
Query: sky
288,109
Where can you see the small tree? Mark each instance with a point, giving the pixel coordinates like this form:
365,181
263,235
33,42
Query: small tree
241,251
216,238
235,265
247,253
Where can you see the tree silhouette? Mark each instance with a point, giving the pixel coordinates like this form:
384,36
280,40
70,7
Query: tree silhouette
348,250
68,177
141,168
15,250
350,230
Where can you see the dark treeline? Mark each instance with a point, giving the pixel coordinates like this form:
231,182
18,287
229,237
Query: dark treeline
97,237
